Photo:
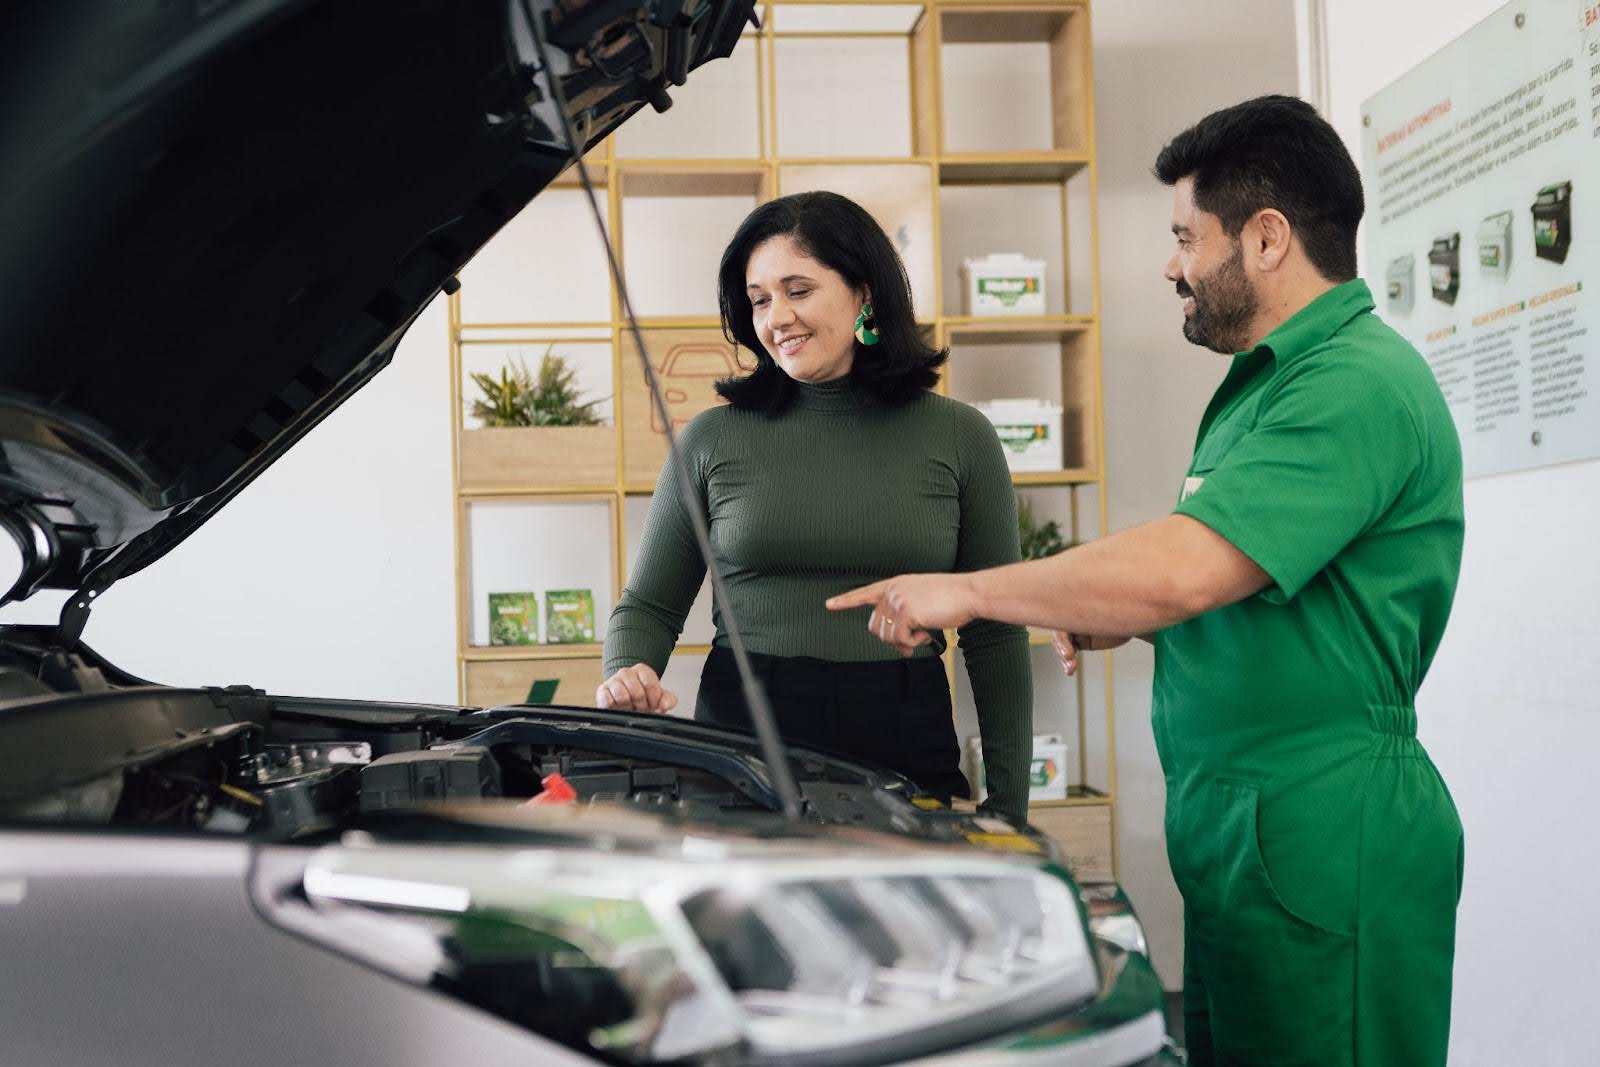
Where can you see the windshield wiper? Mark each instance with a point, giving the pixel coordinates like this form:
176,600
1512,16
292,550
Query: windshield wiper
761,716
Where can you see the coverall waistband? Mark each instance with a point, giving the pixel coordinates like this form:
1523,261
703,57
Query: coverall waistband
1398,719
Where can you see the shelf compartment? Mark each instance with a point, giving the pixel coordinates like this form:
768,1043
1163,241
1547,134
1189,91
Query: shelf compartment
501,458
900,196
1014,79
1031,220
717,113
676,222
489,682
536,544
687,365
821,84
1055,363
548,264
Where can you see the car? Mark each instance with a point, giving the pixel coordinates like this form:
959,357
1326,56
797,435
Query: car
240,208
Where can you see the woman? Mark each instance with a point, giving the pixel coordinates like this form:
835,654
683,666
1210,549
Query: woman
832,465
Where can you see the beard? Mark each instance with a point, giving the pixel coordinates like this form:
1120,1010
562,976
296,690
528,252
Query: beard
1225,305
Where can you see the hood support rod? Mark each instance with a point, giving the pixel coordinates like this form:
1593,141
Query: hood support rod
761,716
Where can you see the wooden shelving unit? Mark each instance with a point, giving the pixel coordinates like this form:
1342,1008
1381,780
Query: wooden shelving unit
806,102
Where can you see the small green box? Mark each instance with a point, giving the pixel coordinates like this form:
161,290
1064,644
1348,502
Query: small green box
513,619
569,617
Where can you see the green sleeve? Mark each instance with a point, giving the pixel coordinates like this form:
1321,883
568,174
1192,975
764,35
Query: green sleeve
668,571
1331,452
996,653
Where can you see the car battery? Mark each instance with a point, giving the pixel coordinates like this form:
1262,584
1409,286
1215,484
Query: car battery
1029,432
1552,222
1494,245
1047,772
1444,267
1400,284
1003,284
401,781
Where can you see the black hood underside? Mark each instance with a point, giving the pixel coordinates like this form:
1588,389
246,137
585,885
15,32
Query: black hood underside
217,219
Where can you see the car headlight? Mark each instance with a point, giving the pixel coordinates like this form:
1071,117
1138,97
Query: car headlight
708,953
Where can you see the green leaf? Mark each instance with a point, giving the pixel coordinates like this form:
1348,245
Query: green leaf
519,398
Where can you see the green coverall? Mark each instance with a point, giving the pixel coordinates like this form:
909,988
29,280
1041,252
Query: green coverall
1316,847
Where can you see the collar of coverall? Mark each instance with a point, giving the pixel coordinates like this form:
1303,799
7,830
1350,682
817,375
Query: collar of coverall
1316,322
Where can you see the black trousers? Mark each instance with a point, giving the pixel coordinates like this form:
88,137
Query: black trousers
895,714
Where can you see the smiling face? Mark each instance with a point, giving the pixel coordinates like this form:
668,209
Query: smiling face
1220,303
803,312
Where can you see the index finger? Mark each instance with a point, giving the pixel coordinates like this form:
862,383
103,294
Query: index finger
857,598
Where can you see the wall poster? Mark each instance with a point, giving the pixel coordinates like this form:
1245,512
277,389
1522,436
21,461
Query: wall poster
1482,175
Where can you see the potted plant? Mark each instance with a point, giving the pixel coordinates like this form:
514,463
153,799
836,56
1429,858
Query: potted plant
1038,540
536,430
517,398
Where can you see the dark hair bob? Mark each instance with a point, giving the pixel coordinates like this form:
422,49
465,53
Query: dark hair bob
839,234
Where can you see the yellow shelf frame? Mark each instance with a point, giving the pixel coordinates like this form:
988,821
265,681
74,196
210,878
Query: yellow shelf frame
608,174
518,653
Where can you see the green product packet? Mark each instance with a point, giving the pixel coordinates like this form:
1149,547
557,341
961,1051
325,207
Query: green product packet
513,619
569,617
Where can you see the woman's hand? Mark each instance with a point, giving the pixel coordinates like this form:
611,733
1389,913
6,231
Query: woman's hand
636,688
906,609
1068,646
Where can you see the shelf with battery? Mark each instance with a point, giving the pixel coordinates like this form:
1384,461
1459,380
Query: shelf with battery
532,618
978,119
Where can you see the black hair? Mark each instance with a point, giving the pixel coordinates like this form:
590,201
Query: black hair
838,233
1274,152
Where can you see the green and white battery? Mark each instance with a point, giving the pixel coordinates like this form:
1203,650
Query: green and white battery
1047,773
1494,245
1003,284
1029,431
1400,284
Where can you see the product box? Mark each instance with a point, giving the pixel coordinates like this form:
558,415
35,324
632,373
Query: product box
1003,284
1494,245
1047,776
1401,284
1030,431
569,617
513,619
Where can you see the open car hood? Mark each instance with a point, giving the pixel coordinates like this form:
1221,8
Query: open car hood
217,220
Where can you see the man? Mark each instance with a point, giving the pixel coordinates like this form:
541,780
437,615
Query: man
1295,598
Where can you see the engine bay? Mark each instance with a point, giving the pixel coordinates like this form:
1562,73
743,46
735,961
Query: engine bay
82,743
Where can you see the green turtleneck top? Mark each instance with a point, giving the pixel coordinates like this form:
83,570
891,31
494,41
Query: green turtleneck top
836,492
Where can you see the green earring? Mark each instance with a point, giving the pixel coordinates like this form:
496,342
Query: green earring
867,327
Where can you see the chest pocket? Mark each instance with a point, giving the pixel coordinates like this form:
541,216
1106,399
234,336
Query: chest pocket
1220,439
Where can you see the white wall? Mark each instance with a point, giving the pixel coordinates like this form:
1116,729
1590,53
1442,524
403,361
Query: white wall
1511,709
331,575
1160,65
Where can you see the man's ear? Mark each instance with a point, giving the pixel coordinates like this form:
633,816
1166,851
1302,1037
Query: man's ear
1267,239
